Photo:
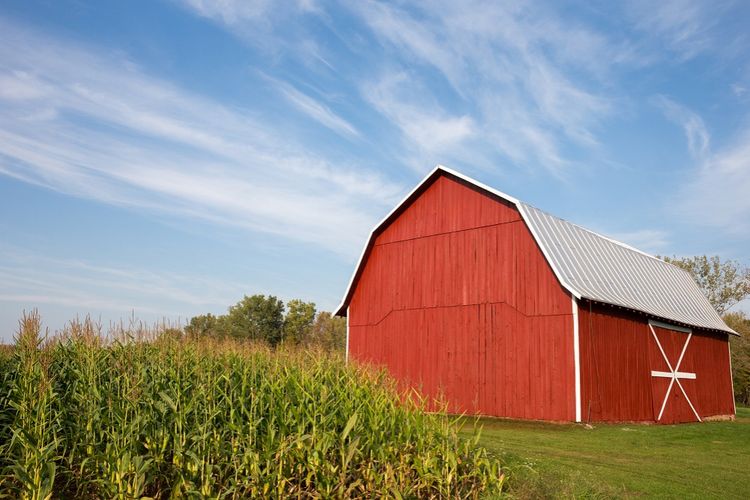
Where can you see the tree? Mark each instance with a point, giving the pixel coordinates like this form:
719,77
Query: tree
262,318
724,283
740,347
205,325
329,332
299,321
256,318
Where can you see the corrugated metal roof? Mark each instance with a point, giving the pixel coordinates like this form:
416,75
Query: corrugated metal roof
598,268
591,266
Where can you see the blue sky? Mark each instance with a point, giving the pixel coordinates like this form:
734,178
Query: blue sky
162,159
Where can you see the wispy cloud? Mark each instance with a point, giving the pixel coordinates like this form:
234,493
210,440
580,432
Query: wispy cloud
33,280
521,95
230,11
431,134
698,138
685,27
237,11
520,76
256,21
315,109
716,193
92,124
480,84
738,89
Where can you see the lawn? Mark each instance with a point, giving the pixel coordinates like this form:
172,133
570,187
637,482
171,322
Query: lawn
709,460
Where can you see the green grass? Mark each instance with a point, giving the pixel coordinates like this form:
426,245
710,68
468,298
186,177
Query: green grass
709,460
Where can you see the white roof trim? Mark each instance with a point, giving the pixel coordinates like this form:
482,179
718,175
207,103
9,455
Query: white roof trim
472,181
441,168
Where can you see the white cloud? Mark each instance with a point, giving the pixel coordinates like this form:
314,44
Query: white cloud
684,26
91,124
490,83
738,89
717,192
698,138
430,133
230,11
235,11
256,21
522,94
21,86
315,110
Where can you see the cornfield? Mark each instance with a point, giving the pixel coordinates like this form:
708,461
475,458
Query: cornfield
82,416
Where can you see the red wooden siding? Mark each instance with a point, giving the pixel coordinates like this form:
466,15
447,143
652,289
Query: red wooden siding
618,353
615,369
456,299
447,206
707,356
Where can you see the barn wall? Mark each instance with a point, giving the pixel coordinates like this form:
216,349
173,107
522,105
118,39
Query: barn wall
617,356
456,299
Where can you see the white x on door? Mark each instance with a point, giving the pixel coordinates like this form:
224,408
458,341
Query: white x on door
672,374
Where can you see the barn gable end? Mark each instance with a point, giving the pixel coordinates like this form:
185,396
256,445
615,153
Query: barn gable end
456,299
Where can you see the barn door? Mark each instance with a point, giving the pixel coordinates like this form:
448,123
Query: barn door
672,374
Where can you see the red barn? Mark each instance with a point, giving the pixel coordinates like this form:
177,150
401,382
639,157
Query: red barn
466,293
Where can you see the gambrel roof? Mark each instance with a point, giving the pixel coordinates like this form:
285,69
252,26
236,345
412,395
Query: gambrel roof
588,265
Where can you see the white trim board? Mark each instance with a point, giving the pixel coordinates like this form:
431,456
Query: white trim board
576,357
346,359
688,375
731,375
667,326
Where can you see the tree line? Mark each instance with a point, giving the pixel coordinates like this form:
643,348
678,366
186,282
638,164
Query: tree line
726,284
267,319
